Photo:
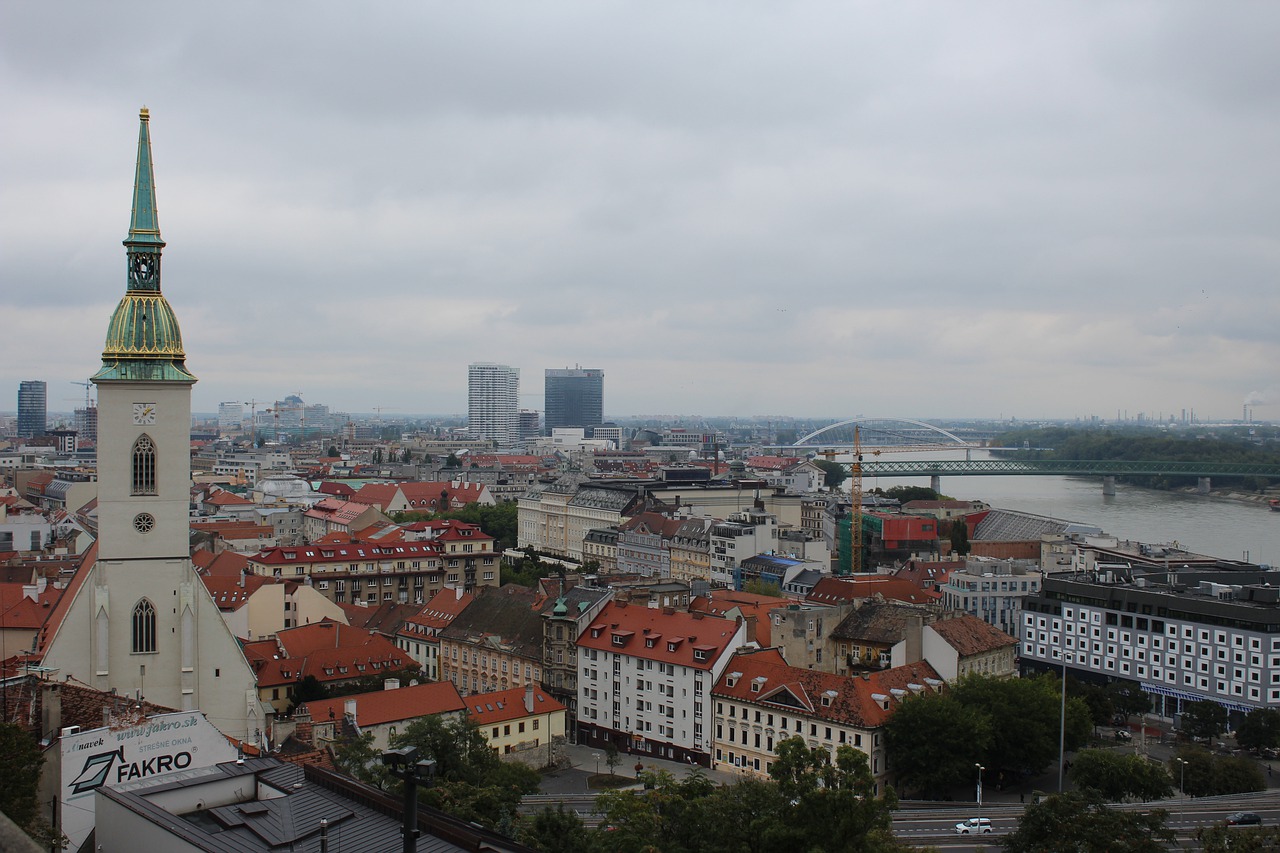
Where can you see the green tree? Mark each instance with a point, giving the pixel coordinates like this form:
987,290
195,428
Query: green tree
357,757
21,764
377,456
1101,709
1207,775
1220,838
1024,715
906,494
452,461
933,741
833,473
309,689
1128,698
406,456
960,537
611,758
1205,718
1117,777
557,830
1079,823
333,452
1260,729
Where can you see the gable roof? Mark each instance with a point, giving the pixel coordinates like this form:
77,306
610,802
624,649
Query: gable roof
504,615
880,622
381,707
843,589
764,678
487,709
969,635
684,639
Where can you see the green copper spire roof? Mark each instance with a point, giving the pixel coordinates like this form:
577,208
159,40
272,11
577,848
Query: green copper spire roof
144,227
144,341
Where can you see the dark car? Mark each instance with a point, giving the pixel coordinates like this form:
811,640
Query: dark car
1243,819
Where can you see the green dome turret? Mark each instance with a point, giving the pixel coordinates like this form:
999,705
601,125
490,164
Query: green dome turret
144,340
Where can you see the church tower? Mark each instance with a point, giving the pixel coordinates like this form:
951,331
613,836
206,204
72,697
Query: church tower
141,621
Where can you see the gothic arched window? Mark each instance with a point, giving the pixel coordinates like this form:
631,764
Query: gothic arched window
144,627
144,466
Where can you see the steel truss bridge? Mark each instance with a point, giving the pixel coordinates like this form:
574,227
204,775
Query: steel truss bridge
1082,467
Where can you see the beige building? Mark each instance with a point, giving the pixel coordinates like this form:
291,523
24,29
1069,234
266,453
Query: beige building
522,724
385,713
256,607
691,551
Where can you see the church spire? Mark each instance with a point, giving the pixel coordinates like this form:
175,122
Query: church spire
143,338
144,227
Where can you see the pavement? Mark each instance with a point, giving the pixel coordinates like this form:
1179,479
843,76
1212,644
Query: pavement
583,762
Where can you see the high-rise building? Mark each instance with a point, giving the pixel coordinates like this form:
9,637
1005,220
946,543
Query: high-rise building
530,424
87,424
140,621
493,403
33,412
230,416
574,398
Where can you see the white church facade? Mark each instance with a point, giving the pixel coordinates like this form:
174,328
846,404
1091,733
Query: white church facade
139,619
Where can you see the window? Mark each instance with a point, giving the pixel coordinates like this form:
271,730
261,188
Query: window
144,466
144,627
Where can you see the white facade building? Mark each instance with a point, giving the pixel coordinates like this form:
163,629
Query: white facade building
493,403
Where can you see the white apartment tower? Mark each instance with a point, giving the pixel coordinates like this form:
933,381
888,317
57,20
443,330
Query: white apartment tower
493,403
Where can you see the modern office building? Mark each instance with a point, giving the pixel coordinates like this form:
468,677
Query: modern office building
1181,636
231,416
574,398
493,403
33,395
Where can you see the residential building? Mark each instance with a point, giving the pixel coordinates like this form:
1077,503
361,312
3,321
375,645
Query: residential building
420,635
867,636
645,678
565,615
337,516
760,701
383,713
493,403
521,724
33,412
644,543
257,607
554,519
961,644
690,551
742,535
574,398
600,546
992,590
1180,636
800,632
86,424
423,496
495,643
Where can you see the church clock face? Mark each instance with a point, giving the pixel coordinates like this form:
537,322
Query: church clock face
144,414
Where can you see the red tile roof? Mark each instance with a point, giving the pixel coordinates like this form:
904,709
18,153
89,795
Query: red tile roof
441,609
969,635
840,590
764,678
488,709
670,637
719,602
19,611
391,706
232,593
224,498
772,463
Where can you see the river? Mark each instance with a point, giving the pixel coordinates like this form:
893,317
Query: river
1210,525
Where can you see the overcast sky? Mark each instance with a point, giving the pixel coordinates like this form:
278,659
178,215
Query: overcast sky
815,209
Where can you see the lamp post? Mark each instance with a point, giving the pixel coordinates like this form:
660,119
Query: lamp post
596,756
1182,786
403,764
980,769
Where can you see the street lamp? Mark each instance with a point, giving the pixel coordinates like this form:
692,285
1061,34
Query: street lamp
1182,785
404,765
980,769
596,756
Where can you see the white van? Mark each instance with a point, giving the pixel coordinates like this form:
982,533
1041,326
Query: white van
974,825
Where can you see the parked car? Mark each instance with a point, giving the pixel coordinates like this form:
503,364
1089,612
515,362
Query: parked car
974,825
1243,819
1123,734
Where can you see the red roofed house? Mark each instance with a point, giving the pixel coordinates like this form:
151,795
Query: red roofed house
385,712
760,701
420,635
423,496
645,678
841,590
222,502
255,607
331,652
23,610
523,722
747,606
332,515
964,644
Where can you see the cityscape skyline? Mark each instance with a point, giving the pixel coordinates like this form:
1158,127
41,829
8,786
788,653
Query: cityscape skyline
977,212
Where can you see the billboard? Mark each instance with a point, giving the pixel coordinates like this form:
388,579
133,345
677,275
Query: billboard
114,754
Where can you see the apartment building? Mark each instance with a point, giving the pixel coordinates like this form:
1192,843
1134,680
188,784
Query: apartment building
645,677
992,590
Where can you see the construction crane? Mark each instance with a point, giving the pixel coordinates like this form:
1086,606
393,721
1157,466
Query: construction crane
88,403
855,492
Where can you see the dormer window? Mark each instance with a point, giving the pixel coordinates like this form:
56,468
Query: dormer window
700,654
618,639
649,642
732,680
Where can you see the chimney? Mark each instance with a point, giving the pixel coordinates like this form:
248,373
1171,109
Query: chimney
50,709
349,708
391,684
528,699
914,639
